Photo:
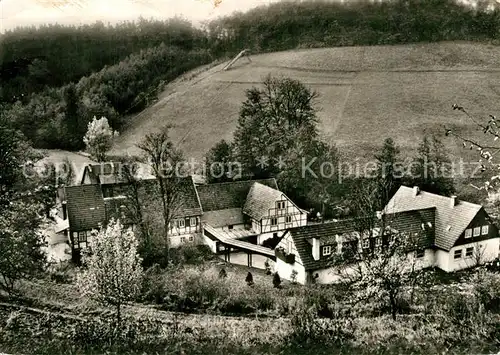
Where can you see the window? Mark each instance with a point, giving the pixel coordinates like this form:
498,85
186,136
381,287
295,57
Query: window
274,221
366,243
193,221
281,205
191,238
82,237
288,219
484,230
419,254
378,242
469,252
183,239
181,223
327,250
468,233
457,254
188,224
477,231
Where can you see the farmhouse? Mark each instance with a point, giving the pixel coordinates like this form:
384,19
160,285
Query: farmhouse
464,233
450,234
88,209
243,215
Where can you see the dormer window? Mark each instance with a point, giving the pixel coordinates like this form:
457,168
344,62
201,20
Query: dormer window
327,250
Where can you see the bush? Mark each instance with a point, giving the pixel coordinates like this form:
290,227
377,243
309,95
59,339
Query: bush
276,280
154,289
249,279
308,328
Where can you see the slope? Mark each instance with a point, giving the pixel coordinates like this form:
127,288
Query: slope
366,95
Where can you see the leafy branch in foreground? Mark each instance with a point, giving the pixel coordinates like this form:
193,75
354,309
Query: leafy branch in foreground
485,151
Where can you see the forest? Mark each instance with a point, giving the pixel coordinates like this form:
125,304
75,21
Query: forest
56,78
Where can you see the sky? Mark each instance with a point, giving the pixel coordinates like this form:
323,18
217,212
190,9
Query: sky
15,13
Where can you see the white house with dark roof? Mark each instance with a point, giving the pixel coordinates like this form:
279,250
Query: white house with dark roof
452,235
88,209
308,250
464,233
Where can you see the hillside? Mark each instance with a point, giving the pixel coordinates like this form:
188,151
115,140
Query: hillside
366,95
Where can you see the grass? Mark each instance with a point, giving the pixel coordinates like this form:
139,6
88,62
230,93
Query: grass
366,95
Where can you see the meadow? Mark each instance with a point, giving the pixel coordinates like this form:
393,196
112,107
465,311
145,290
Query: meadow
366,94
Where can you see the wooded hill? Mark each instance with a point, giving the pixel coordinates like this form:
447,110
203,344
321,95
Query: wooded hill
56,78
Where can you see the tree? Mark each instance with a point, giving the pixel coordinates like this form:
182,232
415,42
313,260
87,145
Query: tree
432,169
112,272
388,172
21,244
218,163
276,280
74,129
99,138
272,121
10,161
165,161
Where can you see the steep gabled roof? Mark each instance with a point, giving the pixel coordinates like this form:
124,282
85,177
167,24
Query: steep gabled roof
187,201
85,206
450,221
419,222
223,196
260,200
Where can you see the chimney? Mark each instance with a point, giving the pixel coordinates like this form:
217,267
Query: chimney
453,201
315,248
416,190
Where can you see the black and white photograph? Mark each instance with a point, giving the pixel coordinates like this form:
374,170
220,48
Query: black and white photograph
270,177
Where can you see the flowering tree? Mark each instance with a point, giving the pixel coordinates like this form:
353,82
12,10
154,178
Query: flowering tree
112,271
99,138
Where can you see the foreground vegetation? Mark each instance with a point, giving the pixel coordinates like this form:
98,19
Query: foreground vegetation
52,319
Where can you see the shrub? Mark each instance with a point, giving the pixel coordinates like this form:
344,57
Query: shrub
154,289
276,280
307,328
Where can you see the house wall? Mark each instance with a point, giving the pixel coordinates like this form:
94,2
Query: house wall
212,244
484,251
187,230
429,259
178,240
442,260
298,218
285,270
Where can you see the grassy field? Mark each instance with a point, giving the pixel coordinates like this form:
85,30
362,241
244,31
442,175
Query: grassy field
366,95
